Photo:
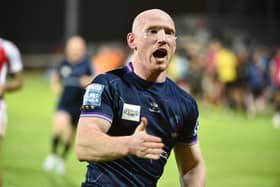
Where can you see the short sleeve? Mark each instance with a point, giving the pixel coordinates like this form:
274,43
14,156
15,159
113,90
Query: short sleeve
97,100
188,133
14,57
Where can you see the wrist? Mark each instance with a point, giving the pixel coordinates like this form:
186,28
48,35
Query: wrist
127,148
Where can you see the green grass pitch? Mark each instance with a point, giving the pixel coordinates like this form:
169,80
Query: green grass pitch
238,151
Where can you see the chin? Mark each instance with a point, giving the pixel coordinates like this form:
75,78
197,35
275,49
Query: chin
161,66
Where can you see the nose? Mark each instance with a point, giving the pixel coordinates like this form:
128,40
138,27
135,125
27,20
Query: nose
161,35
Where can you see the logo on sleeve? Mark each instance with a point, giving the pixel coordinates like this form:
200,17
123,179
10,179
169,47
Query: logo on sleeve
196,128
131,112
93,94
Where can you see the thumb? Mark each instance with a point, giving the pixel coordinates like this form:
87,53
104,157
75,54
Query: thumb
142,125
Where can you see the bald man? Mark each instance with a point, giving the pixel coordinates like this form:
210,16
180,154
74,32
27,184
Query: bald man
69,80
133,117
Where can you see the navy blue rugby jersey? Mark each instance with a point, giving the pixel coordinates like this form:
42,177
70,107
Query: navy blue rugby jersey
122,98
70,74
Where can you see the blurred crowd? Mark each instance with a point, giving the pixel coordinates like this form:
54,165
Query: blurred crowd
235,76
240,78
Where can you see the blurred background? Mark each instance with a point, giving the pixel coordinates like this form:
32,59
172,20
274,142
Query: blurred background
227,51
43,26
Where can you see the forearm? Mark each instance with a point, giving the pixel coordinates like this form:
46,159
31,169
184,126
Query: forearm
94,144
196,177
1,91
101,147
15,83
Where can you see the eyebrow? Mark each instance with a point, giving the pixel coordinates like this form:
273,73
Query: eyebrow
170,29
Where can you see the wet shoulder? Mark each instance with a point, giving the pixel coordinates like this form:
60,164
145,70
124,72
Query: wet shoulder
113,76
181,94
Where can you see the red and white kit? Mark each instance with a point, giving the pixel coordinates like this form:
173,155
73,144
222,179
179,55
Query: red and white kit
10,62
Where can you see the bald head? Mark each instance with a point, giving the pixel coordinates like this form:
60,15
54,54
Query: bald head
140,19
75,49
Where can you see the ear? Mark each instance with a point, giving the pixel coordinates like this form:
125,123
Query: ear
130,40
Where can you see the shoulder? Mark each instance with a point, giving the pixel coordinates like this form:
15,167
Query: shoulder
177,89
85,61
9,47
108,83
183,96
62,63
117,75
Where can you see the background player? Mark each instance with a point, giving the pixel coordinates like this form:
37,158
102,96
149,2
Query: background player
10,64
70,79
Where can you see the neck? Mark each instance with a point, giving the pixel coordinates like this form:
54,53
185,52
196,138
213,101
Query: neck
157,76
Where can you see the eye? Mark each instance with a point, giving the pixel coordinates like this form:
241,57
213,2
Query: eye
153,31
169,32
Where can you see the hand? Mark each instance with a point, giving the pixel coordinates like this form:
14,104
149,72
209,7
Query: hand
144,145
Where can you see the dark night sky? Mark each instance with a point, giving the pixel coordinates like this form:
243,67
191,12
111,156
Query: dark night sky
32,21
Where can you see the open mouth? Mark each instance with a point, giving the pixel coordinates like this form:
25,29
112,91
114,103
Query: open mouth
160,53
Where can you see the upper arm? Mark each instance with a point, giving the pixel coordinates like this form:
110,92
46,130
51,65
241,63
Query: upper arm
90,131
15,83
187,134
15,66
96,111
95,120
98,100
55,83
55,77
88,124
18,76
187,157
14,58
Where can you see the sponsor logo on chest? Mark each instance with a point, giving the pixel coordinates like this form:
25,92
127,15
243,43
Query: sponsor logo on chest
131,112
